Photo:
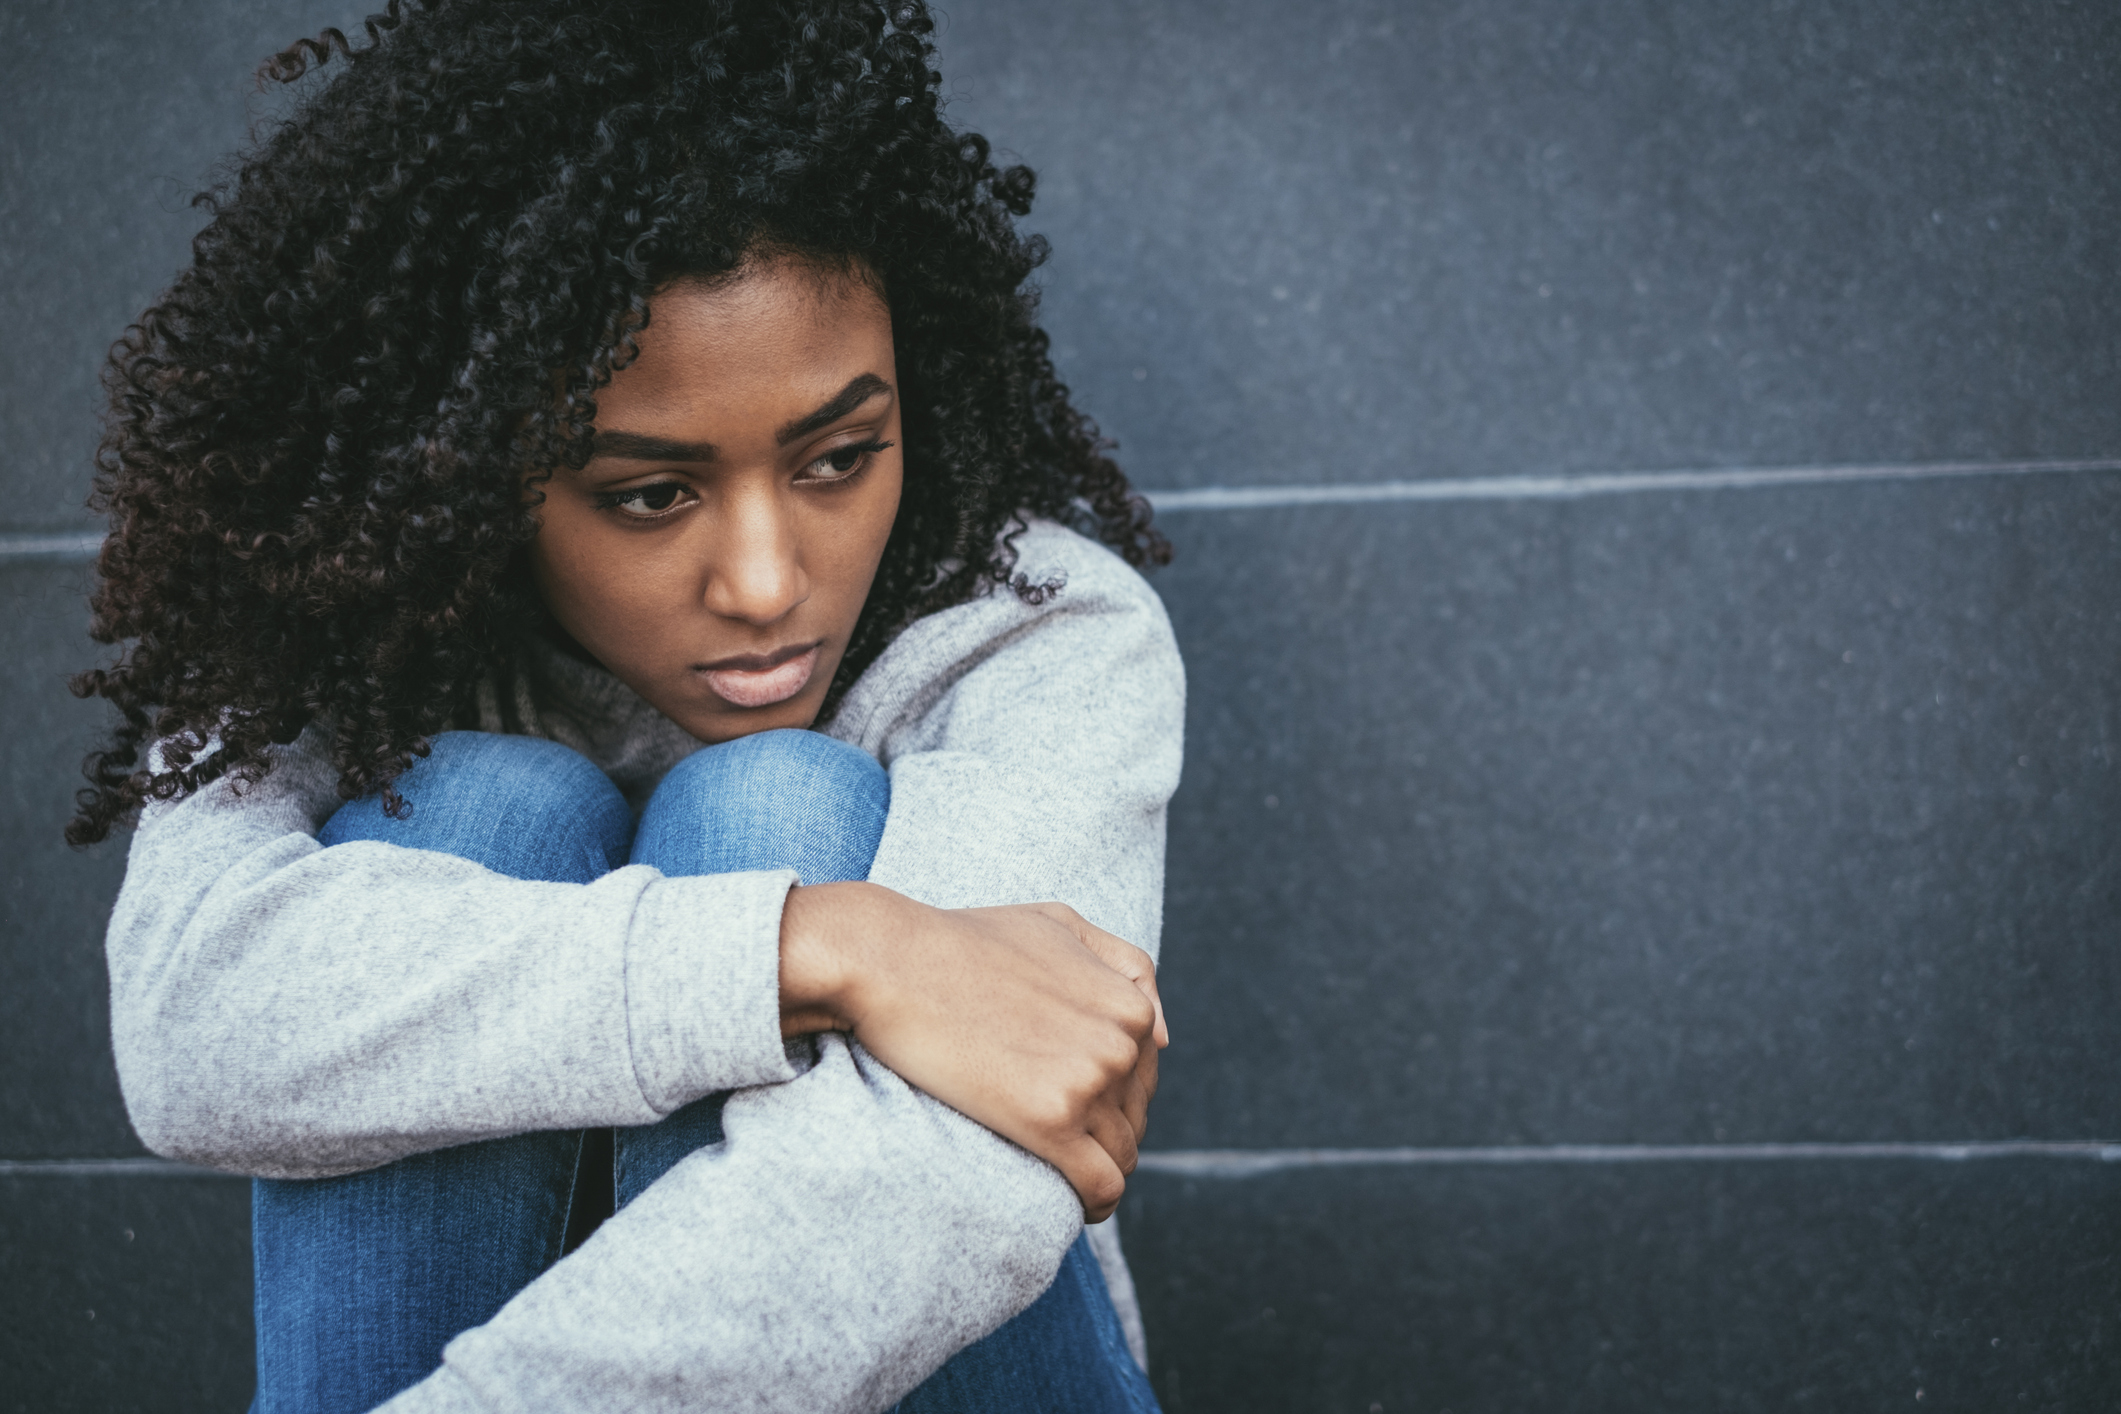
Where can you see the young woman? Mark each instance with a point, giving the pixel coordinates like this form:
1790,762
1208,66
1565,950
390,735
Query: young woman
624,697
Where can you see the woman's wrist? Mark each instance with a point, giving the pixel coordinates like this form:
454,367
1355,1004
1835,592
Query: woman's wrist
826,936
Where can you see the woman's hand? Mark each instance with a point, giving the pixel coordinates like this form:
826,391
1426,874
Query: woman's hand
1025,1018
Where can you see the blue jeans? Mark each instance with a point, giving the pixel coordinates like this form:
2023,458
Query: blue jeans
361,1280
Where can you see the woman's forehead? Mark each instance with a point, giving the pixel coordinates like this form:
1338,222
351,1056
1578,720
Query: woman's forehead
764,348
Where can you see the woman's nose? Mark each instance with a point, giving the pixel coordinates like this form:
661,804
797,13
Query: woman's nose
757,574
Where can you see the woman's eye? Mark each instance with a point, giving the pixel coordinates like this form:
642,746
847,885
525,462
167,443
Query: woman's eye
642,502
841,463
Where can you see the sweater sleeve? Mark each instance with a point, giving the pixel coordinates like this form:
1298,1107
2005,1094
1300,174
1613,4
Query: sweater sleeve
1042,770
290,1011
852,1233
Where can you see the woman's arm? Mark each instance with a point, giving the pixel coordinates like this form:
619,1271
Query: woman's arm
290,1011
258,1012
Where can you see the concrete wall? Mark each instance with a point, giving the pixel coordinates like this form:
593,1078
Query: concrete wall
1653,936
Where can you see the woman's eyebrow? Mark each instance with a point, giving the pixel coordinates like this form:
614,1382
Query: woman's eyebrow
864,387
637,447
640,447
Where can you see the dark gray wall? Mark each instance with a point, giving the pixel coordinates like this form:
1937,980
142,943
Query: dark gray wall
1720,820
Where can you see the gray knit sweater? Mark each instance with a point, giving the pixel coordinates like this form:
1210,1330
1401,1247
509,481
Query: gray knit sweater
286,1010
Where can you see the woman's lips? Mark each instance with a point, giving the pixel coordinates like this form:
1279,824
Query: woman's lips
765,684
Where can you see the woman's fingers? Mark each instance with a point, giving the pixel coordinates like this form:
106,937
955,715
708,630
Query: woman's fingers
1114,1132
1136,1091
1091,1172
1116,953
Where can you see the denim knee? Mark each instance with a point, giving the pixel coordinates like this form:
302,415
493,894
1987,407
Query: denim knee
520,806
361,1280
784,799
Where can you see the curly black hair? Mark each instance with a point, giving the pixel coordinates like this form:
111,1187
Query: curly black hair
409,292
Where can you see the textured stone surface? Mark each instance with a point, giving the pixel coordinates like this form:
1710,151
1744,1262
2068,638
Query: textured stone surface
123,1294
1634,1289
112,114
1369,240
1763,815
1384,241
59,1097
1625,1288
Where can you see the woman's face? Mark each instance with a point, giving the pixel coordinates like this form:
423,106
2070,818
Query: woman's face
716,549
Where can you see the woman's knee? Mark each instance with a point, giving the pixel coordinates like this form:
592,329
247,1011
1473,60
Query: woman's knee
362,1280
784,799
521,806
